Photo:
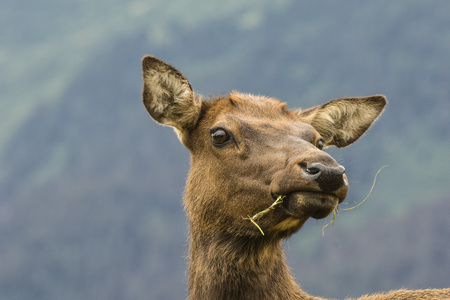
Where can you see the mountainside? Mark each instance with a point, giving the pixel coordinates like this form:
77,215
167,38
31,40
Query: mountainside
91,187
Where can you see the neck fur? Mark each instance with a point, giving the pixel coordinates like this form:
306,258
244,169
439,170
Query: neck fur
227,267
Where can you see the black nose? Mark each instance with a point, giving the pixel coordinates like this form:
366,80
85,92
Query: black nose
329,179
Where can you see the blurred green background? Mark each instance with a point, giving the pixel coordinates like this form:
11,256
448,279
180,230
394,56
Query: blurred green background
91,187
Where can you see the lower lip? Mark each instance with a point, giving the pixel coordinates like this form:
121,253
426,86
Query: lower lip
310,204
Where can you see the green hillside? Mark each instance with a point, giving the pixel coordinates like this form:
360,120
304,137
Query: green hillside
91,187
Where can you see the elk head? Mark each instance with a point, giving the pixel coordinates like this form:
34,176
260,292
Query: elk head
247,150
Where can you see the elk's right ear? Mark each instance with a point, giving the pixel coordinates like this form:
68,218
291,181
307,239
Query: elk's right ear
168,96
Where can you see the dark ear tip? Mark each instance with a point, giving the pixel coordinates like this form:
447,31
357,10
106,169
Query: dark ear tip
148,61
380,99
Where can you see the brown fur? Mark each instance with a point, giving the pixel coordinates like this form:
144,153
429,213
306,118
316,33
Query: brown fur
271,151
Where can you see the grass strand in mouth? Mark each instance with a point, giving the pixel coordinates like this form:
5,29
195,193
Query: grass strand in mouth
263,212
370,192
336,212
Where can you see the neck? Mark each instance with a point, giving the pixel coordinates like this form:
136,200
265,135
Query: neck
226,267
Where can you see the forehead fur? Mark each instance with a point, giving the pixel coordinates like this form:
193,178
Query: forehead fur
248,105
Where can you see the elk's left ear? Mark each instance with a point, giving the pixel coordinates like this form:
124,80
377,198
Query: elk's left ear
342,121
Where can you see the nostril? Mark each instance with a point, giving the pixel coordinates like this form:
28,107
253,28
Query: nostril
328,178
312,171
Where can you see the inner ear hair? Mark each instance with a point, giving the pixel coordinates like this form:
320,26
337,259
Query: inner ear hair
168,95
344,120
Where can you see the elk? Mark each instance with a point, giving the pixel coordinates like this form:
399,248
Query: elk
246,151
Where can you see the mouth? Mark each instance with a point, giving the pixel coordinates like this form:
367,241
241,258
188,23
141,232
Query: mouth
305,204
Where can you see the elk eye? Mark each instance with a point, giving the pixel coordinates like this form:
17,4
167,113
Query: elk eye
320,144
219,136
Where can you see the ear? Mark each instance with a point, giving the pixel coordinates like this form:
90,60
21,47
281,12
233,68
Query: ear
168,96
342,121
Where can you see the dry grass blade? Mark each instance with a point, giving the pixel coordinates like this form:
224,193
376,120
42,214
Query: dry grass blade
263,212
336,212
370,192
